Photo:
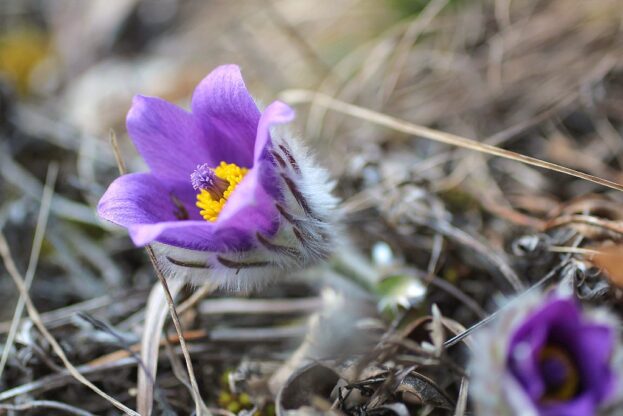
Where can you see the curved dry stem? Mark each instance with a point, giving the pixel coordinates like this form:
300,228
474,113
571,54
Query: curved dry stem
42,221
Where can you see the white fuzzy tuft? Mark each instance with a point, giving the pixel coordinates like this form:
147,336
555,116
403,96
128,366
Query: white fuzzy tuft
308,229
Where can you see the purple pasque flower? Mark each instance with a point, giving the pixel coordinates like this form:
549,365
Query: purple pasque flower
548,358
562,360
226,198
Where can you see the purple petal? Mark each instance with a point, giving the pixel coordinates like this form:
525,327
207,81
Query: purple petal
195,235
250,206
136,198
227,115
168,138
142,203
276,113
249,210
594,347
523,362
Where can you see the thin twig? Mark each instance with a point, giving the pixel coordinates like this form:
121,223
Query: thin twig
296,96
42,221
200,408
411,35
112,137
63,315
537,286
5,252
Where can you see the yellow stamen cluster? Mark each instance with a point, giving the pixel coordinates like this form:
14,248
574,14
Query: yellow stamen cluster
210,208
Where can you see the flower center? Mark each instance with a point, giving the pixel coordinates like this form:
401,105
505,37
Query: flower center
559,374
215,186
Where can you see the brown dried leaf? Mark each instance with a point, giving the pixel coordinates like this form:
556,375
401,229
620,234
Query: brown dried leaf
610,259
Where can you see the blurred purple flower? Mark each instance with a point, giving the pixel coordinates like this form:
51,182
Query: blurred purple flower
224,200
561,360
548,359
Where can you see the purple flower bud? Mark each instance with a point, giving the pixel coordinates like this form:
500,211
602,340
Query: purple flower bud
226,199
545,359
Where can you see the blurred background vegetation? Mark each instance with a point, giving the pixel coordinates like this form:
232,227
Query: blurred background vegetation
434,224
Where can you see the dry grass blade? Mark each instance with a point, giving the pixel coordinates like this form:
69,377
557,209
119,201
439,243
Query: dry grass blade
155,316
461,403
45,404
5,252
296,96
42,221
62,379
25,181
260,306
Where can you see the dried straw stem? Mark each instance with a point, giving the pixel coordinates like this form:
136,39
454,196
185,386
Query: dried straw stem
307,96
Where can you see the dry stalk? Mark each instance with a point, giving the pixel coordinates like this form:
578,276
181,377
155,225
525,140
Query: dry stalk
296,96
112,137
200,408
